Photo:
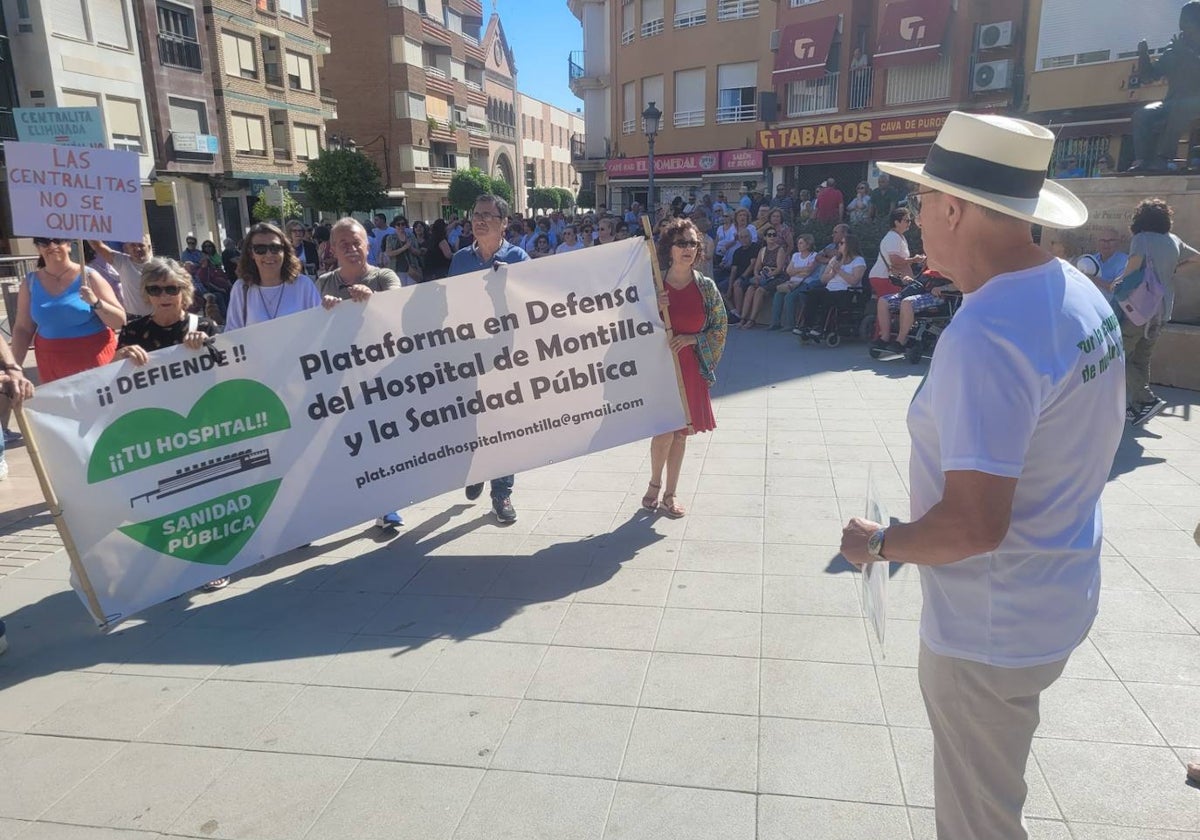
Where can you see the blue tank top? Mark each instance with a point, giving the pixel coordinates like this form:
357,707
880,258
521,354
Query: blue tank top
63,316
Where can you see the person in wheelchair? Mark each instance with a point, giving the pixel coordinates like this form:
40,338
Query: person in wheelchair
843,277
922,296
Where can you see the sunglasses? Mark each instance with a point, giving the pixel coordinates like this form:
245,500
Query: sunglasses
273,248
769,235
686,243
45,242
169,291
191,242
914,201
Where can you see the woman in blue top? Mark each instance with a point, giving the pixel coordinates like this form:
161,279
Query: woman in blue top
73,310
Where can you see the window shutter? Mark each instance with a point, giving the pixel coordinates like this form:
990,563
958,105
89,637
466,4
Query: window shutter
241,133
258,138
690,6
630,95
68,19
689,90
652,10
78,100
416,107
108,23
123,117
627,17
185,116
734,76
652,91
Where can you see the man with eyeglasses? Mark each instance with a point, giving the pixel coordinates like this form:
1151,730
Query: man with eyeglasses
1111,261
191,254
488,251
128,262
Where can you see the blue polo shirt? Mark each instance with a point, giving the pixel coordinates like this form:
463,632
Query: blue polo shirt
467,260
1114,266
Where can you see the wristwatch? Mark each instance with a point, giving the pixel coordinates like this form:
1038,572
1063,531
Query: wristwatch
875,544
96,305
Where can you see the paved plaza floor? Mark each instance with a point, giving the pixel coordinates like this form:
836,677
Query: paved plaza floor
593,672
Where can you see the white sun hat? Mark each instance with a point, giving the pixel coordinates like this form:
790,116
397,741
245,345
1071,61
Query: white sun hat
997,162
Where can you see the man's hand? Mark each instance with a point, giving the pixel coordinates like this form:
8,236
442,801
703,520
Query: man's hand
15,385
854,541
678,342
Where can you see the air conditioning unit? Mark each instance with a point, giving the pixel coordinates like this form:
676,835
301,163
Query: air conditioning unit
994,35
774,40
992,75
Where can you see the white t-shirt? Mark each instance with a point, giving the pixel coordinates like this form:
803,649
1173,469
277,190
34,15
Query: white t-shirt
131,285
839,283
892,245
1028,382
803,262
566,249
270,303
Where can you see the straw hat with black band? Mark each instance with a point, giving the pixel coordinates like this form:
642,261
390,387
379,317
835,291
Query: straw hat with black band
999,163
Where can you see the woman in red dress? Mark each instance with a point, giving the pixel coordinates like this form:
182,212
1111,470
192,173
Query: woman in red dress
699,323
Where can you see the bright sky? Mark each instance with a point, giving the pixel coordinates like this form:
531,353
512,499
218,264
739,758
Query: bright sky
541,33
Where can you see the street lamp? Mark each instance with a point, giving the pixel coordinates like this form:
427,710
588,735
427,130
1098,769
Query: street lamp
650,119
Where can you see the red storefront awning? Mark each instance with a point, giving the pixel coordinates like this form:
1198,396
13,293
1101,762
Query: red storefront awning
804,49
912,32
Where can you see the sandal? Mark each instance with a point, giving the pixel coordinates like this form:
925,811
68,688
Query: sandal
214,585
650,502
671,509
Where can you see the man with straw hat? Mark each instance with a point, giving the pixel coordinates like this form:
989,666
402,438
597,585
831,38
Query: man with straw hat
1013,434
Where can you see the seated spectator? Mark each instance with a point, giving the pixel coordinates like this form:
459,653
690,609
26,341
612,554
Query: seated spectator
190,253
804,274
922,295
770,269
571,241
804,207
786,238
229,259
894,258
859,208
541,247
741,269
842,275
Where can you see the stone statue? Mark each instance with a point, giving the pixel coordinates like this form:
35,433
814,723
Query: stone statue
1158,126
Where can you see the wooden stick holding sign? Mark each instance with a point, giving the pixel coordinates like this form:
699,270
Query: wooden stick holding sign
660,287
56,513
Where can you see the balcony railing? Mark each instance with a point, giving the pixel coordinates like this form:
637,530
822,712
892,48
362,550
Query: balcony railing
737,113
473,85
471,39
282,154
575,62
651,28
689,119
174,51
736,9
814,96
627,36
436,72
578,147
862,84
441,173
628,126
685,20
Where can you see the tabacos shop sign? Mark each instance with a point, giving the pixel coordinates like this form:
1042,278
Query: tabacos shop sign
852,133
697,163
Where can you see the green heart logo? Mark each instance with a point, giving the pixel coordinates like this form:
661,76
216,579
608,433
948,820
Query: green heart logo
212,532
232,411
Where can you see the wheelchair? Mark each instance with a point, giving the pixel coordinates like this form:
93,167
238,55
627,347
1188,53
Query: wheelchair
845,318
927,327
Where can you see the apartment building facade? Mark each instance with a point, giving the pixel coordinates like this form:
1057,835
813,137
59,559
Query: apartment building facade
1082,77
409,77
270,110
83,53
177,73
857,81
701,63
546,134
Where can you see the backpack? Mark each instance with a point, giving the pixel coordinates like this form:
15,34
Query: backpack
1140,295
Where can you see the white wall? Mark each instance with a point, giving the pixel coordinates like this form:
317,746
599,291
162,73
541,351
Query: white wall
595,38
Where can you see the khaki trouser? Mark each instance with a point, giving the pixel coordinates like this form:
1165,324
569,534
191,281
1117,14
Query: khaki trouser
983,720
1139,346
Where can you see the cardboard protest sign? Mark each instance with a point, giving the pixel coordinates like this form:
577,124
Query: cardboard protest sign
72,193
196,465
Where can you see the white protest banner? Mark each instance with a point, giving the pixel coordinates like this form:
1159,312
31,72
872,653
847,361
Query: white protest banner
66,192
190,467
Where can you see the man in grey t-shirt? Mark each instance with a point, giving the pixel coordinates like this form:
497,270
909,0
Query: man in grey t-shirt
128,262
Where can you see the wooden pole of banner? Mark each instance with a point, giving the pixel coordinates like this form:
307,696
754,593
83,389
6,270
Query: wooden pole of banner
56,514
660,287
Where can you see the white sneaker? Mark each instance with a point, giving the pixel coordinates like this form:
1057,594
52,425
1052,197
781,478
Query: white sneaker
3,468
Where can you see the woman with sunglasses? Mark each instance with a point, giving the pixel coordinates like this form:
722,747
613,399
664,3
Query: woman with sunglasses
541,247
770,269
73,310
272,282
167,290
699,324
786,238
859,208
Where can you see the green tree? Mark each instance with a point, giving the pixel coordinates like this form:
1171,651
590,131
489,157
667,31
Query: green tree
263,212
565,199
466,185
586,198
503,189
342,181
543,198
